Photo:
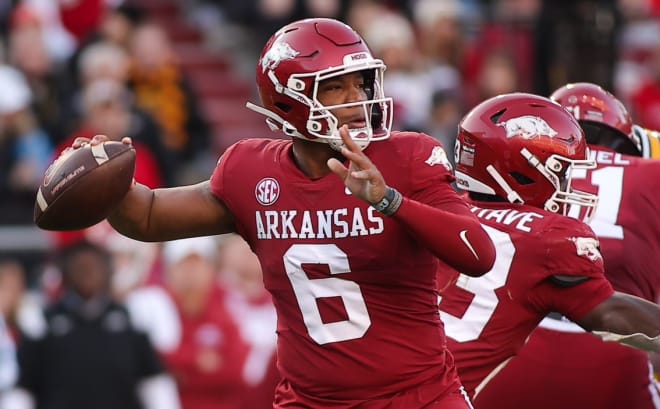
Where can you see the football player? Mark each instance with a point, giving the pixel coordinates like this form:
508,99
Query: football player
560,355
517,156
350,261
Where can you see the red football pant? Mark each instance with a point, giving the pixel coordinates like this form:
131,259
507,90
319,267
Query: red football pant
427,396
572,371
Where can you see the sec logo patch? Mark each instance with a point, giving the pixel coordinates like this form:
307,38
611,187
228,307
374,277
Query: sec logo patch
267,191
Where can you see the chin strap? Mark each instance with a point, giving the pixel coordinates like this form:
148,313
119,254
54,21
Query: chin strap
274,121
277,123
511,195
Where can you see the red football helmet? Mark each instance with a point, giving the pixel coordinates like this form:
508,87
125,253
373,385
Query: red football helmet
296,59
600,113
523,148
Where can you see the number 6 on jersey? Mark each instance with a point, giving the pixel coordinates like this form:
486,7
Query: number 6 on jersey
308,290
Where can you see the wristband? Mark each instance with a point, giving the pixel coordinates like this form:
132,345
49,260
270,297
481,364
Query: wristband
390,203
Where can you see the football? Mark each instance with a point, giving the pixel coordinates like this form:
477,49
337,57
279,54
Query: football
82,186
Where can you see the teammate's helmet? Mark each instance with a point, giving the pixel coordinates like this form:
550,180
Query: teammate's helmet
296,59
602,116
523,148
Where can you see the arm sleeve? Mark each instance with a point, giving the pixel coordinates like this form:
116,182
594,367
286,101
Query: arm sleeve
452,233
435,214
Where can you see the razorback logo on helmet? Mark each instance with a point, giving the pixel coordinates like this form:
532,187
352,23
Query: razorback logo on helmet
267,191
280,51
587,246
438,157
527,127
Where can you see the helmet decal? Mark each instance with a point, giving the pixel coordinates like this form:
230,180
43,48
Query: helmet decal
356,58
463,154
438,157
527,127
280,51
587,247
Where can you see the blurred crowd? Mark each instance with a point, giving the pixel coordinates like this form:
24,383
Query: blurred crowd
127,324
98,317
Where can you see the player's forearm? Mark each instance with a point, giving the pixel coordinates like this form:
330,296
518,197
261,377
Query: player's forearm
457,238
626,319
169,214
131,217
625,314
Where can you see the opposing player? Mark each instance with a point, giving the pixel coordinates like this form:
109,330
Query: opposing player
559,354
516,156
350,261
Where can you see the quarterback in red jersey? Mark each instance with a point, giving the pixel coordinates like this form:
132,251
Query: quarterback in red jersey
560,355
350,261
516,156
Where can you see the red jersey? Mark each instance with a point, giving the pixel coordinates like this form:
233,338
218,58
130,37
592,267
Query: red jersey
625,220
545,262
256,320
354,292
558,355
208,361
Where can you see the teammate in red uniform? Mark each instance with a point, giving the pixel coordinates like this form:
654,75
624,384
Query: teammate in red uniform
350,261
517,155
559,355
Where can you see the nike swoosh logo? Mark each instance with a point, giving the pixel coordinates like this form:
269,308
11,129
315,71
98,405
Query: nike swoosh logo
347,191
463,235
